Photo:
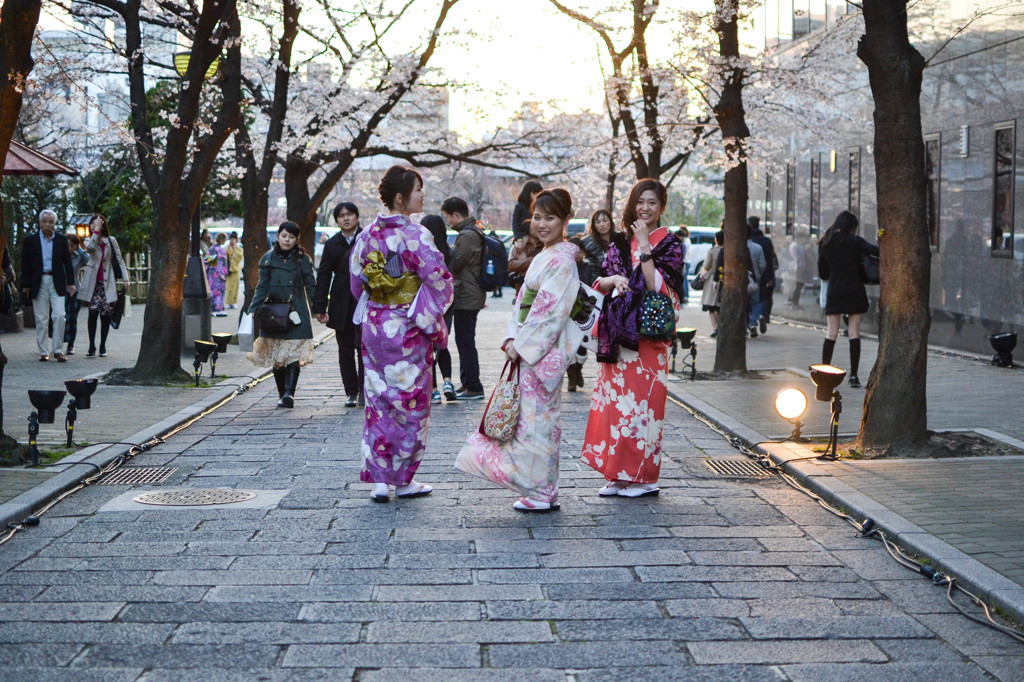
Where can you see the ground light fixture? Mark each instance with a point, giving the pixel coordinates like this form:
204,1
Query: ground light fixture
81,391
791,403
1003,345
684,337
826,378
46,402
221,339
203,351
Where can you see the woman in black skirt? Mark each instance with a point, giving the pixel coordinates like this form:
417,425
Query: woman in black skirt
840,252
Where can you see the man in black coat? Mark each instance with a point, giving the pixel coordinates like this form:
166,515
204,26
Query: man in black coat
333,303
46,279
767,288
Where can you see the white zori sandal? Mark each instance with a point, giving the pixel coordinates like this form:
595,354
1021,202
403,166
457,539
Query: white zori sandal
528,504
612,488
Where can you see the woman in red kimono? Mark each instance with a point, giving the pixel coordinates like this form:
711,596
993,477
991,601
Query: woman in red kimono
627,411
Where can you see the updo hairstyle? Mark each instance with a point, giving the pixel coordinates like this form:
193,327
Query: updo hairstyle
556,202
398,180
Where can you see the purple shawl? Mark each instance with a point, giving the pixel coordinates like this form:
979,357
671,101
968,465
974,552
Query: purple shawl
620,318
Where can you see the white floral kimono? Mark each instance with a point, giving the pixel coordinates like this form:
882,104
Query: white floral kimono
547,342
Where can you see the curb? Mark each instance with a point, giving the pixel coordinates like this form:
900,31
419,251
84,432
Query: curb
991,586
83,463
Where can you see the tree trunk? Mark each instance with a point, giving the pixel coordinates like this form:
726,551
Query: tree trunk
18,21
297,172
731,350
254,242
895,406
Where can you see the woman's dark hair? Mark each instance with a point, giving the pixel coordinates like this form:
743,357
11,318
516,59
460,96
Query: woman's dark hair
233,235
529,189
73,240
292,229
221,238
845,225
556,202
398,180
345,206
629,213
435,224
720,237
104,227
592,226
204,233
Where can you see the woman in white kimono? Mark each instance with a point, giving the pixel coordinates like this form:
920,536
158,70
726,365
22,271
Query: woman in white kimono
543,338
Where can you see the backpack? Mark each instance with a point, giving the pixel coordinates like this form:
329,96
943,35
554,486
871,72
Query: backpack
493,264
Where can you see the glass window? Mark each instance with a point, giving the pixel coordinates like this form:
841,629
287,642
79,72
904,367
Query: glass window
768,218
853,183
801,18
785,15
932,169
817,15
790,198
815,222
1002,195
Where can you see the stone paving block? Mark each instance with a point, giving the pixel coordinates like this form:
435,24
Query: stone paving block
40,674
155,563
19,655
552,547
401,547
266,633
739,531
635,558
289,593
969,637
361,612
900,672
707,608
545,576
571,609
609,532
712,573
16,593
585,654
616,627
628,591
425,561
480,632
841,627
781,652
929,650
320,562
60,612
396,576
784,607
48,564
251,612
118,549
763,558
233,577
243,675
691,544
680,673
111,592
237,549
180,656
866,563
381,655
441,593
459,675
771,589
836,574
84,633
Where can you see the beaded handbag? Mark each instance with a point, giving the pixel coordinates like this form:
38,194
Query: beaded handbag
657,317
502,413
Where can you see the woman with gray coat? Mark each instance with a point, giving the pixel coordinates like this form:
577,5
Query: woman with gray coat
106,267
286,274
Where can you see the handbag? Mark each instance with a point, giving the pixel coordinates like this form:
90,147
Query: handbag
502,413
657,316
119,304
870,270
698,282
276,316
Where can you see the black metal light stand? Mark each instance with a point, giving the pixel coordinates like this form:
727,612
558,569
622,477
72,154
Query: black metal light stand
203,351
685,337
69,421
826,379
46,404
81,390
837,409
221,339
33,431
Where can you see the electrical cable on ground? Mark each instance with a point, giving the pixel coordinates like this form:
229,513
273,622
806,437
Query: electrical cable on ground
866,529
135,449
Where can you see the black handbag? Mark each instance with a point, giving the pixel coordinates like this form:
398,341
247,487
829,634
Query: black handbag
870,269
698,282
118,314
275,316
657,316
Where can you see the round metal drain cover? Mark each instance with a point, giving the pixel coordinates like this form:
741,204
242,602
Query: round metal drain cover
199,496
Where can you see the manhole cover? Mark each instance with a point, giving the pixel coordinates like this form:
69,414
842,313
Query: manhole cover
198,496
137,475
736,468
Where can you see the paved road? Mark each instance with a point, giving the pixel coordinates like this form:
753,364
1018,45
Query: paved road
715,579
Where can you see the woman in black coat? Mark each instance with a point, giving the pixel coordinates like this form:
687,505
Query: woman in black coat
442,356
840,253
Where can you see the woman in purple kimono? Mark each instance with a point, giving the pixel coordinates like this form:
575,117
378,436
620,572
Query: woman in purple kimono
403,288
217,273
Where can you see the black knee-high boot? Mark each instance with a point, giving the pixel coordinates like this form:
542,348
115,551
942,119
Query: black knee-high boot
826,351
279,373
854,357
291,380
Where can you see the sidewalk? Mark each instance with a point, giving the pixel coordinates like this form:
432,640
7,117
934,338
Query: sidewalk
972,505
117,412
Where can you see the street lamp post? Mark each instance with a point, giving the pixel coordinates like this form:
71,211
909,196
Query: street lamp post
196,308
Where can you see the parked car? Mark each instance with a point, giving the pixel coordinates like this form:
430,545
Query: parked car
701,240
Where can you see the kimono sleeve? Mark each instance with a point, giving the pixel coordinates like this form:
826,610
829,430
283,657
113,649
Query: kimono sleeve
549,313
436,289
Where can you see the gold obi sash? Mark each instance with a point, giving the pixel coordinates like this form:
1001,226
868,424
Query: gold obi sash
384,289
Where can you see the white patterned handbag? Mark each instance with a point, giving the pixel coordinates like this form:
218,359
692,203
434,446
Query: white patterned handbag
502,413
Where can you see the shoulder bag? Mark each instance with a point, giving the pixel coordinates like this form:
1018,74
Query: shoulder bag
502,413
870,271
276,316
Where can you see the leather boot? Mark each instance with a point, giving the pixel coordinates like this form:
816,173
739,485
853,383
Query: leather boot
291,379
279,373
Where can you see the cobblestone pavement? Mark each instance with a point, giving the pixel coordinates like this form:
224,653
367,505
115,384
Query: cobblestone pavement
972,504
117,411
715,579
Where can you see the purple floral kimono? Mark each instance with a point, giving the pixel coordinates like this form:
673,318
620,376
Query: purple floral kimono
217,274
404,288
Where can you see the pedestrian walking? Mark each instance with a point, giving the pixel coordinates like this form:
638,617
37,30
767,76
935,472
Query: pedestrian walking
803,267
467,264
497,293
442,356
235,255
334,304
205,242
216,261
105,272
521,254
404,287
756,266
47,277
522,211
79,259
710,297
644,270
684,234
593,249
767,281
541,340
840,254
286,276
